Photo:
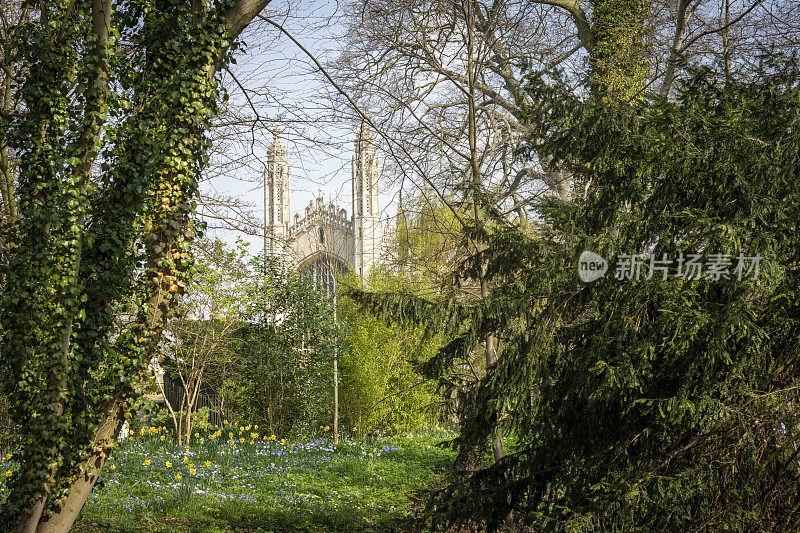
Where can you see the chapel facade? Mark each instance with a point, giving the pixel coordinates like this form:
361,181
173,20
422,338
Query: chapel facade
323,240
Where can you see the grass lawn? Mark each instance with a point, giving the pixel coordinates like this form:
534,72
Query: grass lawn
238,480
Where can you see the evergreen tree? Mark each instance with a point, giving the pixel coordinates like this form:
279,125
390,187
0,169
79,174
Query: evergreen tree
657,403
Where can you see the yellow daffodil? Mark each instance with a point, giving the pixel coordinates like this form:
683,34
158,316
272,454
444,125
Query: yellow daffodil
208,463
113,467
192,471
9,473
252,442
178,477
147,462
168,464
185,459
255,427
9,456
225,422
162,437
241,439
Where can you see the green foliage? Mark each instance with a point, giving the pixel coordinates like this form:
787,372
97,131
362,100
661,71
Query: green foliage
163,418
428,237
274,367
381,387
281,375
275,370
110,148
9,433
204,339
662,404
619,51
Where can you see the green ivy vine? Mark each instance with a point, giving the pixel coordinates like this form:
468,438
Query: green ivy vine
110,147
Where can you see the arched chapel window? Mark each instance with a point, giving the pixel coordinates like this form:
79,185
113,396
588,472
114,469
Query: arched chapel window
324,271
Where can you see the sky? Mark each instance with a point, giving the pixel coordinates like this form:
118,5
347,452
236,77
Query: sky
285,88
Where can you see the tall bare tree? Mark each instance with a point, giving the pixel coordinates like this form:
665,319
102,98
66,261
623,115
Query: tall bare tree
405,61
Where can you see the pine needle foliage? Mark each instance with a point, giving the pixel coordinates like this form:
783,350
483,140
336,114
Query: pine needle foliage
657,404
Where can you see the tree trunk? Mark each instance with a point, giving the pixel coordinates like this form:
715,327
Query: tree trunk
6,181
489,340
677,43
468,459
63,519
335,400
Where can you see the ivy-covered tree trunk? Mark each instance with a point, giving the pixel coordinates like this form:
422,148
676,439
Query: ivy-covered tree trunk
618,52
80,489
9,206
101,248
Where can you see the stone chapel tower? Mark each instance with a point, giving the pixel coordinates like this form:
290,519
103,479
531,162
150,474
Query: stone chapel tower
276,198
366,213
